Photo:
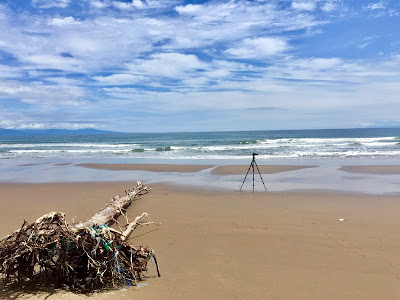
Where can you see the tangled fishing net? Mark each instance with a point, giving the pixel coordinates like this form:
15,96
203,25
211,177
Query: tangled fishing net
81,257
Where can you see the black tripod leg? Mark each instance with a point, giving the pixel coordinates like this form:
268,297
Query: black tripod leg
246,175
253,173
261,176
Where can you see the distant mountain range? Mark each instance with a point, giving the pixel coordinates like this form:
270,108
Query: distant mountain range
21,132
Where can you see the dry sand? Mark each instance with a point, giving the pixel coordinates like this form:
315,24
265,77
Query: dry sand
264,169
373,169
148,167
231,245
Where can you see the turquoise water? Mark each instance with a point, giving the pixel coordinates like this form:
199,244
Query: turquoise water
304,144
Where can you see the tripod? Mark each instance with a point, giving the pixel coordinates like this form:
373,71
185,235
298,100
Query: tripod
252,164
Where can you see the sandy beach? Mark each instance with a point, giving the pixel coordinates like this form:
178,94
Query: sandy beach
267,131
237,245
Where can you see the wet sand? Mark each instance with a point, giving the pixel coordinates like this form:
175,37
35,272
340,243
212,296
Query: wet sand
373,169
231,245
184,168
264,169
148,167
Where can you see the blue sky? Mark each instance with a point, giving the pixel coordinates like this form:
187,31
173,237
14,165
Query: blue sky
166,65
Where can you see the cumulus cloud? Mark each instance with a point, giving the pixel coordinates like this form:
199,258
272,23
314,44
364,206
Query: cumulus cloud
123,5
258,47
138,4
37,93
166,64
119,79
7,124
375,6
46,61
26,124
165,55
133,4
51,3
99,4
12,88
308,6
329,7
189,9
63,21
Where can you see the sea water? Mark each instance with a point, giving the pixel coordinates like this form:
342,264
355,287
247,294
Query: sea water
271,145
55,158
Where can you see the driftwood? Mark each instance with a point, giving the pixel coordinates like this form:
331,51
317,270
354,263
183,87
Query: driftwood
81,257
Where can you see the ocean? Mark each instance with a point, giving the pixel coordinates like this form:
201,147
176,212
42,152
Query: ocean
376,143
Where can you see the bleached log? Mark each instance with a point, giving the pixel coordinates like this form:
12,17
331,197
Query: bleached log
113,210
132,225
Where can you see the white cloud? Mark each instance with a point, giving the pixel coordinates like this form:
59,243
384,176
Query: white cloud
13,88
8,72
51,3
49,101
119,79
308,6
134,4
329,7
63,21
374,6
138,4
37,93
31,126
105,37
45,61
64,81
25,124
225,22
219,73
258,47
123,5
99,4
166,64
393,12
7,124
189,9
186,55
322,63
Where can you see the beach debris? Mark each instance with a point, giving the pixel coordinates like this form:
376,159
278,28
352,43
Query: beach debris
82,257
341,220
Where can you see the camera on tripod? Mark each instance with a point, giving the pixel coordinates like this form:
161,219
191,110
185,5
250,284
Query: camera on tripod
253,165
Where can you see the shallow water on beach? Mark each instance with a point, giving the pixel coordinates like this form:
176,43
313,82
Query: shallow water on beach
324,176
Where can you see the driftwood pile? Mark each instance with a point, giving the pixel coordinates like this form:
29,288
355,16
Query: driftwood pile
81,257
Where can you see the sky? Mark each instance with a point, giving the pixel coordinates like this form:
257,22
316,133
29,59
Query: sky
173,66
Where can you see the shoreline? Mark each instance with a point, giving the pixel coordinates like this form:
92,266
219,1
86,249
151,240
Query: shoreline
186,168
230,169
243,245
298,175
264,169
